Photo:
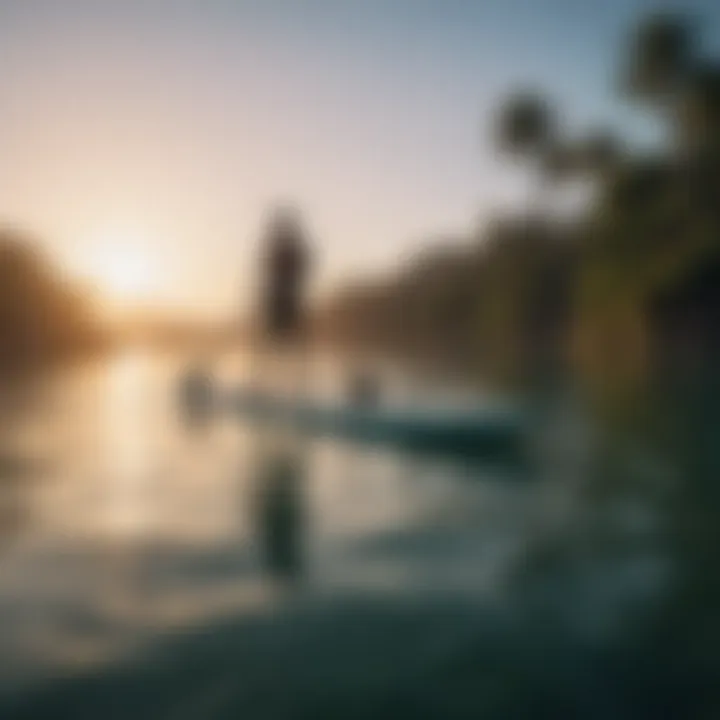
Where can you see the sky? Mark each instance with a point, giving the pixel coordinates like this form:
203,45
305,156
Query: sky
155,135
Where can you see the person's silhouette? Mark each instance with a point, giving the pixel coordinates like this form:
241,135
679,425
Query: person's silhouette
285,270
280,355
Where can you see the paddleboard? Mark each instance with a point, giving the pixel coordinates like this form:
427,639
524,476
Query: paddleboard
480,432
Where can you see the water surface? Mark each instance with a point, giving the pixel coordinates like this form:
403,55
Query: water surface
203,571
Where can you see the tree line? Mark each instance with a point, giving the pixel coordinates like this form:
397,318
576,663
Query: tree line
628,289
43,316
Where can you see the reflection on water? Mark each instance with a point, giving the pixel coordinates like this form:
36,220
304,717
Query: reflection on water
135,531
280,511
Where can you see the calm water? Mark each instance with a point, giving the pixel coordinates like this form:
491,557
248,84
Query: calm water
212,571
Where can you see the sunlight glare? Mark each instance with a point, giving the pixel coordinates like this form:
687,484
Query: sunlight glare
123,267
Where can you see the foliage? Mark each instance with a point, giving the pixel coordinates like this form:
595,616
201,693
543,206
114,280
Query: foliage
534,295
42,317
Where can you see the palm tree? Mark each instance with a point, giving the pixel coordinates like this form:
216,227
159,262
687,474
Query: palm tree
698,117
525,128
525,124
660,56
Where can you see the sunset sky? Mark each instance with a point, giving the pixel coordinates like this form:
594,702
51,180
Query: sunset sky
144,140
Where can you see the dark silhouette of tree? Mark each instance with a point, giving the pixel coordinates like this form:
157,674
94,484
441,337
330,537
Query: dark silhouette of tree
652,221
592,157
42,316
659,57
698,114
525,125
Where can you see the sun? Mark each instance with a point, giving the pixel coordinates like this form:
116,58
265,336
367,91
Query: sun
124,271
123,267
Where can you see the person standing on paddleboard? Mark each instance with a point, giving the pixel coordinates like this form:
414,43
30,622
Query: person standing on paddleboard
285,272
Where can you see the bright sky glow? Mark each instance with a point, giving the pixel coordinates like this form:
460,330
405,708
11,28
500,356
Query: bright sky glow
188,119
